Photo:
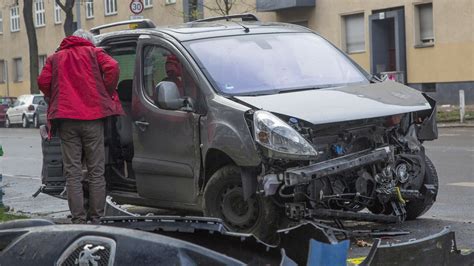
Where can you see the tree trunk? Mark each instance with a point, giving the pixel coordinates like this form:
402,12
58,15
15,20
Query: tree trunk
68,7
32,44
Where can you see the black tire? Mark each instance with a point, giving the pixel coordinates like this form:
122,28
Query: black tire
24,122
36,123
223,198
419,207
7,123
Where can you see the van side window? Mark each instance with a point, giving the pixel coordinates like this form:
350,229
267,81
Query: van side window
161,64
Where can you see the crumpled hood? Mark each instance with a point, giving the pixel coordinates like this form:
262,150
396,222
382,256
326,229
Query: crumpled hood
340,104
72,41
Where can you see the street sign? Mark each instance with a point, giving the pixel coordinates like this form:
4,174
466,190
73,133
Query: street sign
136,17
136,6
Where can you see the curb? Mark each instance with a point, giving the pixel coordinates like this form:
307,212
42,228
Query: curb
454,125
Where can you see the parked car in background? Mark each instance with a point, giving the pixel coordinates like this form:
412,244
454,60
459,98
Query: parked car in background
5,103
27,110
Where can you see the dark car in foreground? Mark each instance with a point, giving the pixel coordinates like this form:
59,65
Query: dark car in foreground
5,103
28,110
259,124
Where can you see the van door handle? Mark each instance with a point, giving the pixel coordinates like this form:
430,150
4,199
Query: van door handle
142,125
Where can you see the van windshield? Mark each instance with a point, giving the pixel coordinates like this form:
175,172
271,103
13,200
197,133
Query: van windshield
273,63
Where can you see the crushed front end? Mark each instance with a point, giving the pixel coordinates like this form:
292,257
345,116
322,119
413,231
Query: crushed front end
337,170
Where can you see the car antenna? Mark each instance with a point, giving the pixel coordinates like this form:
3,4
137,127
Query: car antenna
246,29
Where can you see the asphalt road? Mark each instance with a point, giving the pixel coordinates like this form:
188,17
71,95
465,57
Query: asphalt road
452,154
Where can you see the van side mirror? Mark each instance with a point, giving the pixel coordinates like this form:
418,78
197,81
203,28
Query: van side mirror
168,96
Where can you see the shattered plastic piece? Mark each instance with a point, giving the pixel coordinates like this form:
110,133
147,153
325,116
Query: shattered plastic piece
328,254
112,209
362,243
437,249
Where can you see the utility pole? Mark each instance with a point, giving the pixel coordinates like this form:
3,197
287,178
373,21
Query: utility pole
462,106
8,78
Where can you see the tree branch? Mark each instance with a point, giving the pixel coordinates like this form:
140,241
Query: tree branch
61,5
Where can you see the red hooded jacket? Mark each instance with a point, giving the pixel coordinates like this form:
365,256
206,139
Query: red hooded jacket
80,81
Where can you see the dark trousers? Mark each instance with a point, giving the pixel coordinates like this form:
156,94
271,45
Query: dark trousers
79,136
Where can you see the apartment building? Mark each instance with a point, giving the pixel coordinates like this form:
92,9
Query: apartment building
427,44
49,22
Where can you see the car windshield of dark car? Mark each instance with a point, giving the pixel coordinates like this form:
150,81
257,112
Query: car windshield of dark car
272,63
37,99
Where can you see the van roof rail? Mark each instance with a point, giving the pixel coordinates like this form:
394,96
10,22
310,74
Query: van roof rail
141,24
243,17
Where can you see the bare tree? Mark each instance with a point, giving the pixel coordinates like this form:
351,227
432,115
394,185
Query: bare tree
67,7
32,44
224,7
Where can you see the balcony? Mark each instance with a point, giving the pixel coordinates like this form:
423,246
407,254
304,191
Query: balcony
276,5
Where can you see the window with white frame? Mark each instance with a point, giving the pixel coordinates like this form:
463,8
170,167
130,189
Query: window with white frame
39,13
354,33
110,7
41,62
18,69
3,72
57,13
148,3
424,24
90,9
15,18
1,22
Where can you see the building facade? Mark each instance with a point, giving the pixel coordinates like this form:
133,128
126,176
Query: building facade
427,44
49,22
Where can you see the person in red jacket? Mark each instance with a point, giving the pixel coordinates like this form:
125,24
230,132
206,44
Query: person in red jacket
80,82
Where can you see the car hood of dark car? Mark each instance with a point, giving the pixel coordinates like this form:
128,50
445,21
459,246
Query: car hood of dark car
338,104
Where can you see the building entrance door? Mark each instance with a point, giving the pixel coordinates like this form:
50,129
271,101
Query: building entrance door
387,42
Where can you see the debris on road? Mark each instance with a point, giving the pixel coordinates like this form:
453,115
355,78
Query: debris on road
440,248
363,243
295,241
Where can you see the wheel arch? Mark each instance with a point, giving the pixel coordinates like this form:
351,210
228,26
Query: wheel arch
220,159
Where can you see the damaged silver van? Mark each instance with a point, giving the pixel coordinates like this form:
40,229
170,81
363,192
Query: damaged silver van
258,123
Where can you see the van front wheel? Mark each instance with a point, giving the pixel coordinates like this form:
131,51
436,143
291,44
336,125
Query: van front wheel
224,199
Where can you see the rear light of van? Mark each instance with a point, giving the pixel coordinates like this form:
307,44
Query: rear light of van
31,108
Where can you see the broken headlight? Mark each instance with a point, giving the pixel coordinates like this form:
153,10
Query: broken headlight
280,138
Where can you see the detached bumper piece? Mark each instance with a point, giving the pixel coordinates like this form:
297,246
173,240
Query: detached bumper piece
211,233
438,249
28,243
301,175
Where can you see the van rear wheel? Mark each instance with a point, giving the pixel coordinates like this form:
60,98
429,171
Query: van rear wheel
224,199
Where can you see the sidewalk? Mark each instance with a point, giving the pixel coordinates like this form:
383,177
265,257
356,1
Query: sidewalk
456,124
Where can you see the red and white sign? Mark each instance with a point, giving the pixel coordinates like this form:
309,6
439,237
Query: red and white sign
136,6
